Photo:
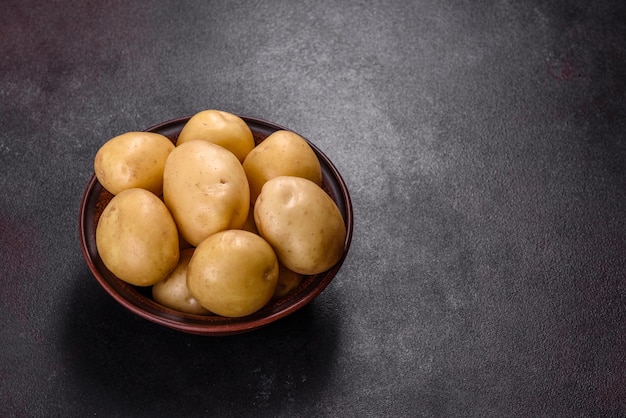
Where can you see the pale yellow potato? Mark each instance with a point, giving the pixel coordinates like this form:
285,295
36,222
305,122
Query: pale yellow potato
302,223
205,189
137,238
219,127
287,281
283,153
233,273
133,159
172,291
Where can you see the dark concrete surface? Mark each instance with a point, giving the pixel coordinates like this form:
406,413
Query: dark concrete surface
484,145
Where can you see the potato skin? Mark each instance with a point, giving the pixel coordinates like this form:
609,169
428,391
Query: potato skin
287,281
133,159
173,292
137,238
282,153
206,190
302,223
233,273
219,127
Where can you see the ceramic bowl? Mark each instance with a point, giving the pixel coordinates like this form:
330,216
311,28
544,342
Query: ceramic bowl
139,300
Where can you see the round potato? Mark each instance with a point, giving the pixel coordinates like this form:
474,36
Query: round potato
172,291
133,159
206,190
222,128
283,153
287,281
233,273
302,223
137,238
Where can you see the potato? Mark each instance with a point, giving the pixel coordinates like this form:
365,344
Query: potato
302,223
233,273
283,153
172,291
133,159
206,190
137,238
287,281
222,128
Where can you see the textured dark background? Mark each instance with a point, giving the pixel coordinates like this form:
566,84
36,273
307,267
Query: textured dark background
484,145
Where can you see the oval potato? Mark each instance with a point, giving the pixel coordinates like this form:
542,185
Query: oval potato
302,223
205,189
137,238
287,281
282,153
173,292
233,273
133,159
219,127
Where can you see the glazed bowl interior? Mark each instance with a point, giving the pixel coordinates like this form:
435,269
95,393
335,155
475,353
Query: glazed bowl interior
139,300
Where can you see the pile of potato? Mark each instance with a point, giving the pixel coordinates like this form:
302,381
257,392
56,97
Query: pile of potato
214,223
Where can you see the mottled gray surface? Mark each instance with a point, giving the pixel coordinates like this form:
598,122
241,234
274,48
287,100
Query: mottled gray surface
484,145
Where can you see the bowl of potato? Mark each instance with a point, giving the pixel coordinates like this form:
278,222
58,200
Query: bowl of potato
214,224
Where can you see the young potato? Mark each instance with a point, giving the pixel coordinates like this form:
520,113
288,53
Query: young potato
172,291
133,159
287,281
137,238
222,128
233,273
206,190
283,153
302,223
